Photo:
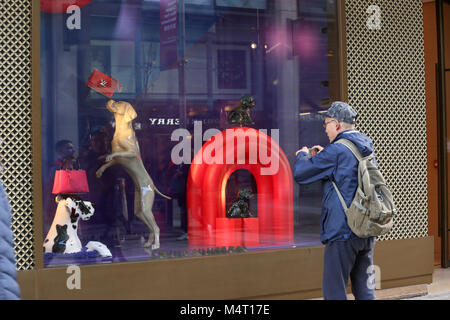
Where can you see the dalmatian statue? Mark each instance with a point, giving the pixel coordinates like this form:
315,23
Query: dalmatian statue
62,236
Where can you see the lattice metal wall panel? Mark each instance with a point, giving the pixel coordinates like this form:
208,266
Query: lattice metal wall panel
15,122
386,85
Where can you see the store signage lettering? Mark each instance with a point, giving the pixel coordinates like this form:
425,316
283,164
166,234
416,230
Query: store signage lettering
198,252
176,121
164,121
74,20
168,34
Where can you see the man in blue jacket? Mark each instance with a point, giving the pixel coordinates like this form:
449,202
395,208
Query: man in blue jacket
346,255
9,289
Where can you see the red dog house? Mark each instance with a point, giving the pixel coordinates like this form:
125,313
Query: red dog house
208,225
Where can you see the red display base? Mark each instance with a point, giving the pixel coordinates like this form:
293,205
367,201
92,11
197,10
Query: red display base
237,232
228,232
251,232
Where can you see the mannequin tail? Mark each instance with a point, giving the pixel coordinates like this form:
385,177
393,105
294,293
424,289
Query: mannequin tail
162,195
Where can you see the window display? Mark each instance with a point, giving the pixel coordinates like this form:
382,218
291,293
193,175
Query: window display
169,127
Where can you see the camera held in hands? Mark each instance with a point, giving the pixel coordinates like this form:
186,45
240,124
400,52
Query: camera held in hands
313,151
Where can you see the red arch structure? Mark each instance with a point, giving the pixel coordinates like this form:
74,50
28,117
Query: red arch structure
208,225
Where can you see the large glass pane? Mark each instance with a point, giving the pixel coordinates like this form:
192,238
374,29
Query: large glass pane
180,68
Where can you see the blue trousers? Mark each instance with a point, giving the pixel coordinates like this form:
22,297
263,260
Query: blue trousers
350,258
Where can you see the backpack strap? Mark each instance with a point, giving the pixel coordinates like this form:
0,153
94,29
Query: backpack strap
350,145
340,196
341,199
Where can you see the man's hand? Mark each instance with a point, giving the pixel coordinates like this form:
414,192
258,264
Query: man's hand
320,148
304,149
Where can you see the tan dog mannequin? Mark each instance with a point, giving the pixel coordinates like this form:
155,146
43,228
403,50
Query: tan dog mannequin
125,152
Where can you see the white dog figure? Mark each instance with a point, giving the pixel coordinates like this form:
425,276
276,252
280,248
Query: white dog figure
62,236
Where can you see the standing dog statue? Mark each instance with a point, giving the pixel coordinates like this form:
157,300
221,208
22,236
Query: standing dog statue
125,152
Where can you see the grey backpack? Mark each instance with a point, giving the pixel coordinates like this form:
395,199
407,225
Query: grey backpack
372,210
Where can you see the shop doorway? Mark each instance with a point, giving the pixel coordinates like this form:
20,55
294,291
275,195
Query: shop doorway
443,103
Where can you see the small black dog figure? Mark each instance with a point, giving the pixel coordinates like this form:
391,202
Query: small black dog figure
241,115
239,207
60,240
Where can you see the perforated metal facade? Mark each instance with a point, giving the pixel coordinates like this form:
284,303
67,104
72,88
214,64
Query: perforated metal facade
385,84
15,123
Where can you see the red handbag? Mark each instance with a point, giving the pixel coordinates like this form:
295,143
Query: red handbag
103,83
70,181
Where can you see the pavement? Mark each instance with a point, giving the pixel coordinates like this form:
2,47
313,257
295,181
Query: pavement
439,289
440,296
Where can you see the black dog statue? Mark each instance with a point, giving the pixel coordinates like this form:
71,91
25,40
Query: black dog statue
59,245
239,207
241,114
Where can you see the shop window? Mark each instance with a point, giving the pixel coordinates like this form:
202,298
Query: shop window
158,85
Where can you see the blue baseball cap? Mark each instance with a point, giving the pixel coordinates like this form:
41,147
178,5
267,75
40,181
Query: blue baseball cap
342,112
